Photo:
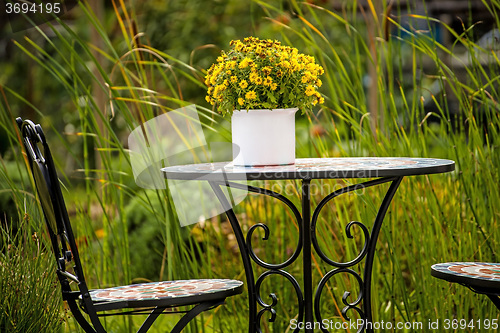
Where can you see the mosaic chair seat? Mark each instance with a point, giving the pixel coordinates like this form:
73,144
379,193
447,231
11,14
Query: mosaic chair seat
146,298
482,278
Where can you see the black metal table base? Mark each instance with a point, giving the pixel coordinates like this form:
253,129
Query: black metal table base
308,299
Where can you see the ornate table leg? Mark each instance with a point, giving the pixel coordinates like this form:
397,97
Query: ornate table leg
248,255
307,262
367,304
307,306
367,251
247,264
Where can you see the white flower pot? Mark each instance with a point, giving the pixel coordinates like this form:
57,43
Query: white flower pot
263,137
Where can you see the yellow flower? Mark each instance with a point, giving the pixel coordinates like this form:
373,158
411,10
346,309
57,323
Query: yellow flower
308,77
243,84
253,77
319,99
311,67
238,45
267,70
310,90
217,90
250,95
245,63
234,80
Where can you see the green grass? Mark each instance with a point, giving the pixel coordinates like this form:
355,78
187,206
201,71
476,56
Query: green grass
436,218
30,299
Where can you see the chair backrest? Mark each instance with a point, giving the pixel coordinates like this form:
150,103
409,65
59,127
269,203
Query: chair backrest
53,206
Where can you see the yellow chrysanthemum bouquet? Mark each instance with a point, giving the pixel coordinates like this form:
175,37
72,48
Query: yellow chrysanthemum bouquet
263,74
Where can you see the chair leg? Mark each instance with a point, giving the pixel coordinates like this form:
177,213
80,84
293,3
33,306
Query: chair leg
75,310
193,313
94,319
496,300
84,323
146,325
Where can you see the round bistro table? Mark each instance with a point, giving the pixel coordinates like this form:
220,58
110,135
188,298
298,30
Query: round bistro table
380,169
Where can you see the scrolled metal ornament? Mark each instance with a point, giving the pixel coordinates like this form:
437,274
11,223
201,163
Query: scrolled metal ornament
266,229
366,233
348,305
274,299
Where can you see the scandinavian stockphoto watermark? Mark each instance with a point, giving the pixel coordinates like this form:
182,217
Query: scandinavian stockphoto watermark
321,188
176,138
428,325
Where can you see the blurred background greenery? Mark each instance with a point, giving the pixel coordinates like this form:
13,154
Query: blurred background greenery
403,78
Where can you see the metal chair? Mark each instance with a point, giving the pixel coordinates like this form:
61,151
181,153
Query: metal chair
480,277
147,298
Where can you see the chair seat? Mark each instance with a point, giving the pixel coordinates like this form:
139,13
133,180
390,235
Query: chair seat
480,276
164,293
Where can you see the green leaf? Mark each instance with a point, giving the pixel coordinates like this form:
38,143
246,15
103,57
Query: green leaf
271,97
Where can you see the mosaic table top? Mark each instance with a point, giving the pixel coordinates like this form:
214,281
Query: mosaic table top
314,168
478,274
